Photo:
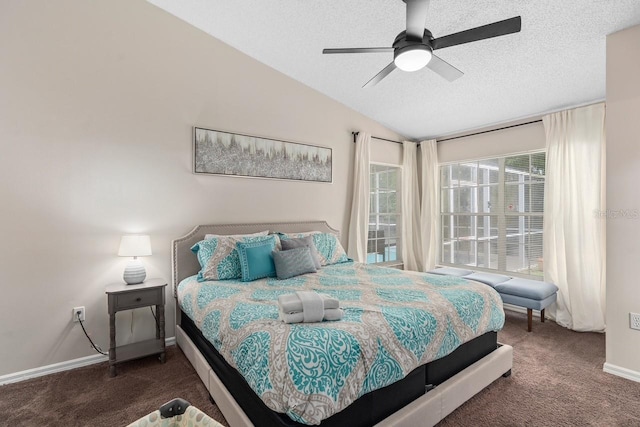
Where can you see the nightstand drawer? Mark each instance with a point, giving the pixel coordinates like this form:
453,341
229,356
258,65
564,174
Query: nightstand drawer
139,299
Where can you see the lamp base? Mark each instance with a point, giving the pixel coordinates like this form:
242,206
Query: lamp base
134,273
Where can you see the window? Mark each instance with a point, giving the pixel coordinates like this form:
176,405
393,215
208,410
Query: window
491,214
383,244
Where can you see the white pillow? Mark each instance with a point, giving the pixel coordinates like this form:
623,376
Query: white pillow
237,236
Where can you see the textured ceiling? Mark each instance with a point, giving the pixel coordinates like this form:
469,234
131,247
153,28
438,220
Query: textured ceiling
556,61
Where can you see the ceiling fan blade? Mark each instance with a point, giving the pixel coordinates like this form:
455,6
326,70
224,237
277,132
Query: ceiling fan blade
444,69
416,18
359,50
501,28
381,75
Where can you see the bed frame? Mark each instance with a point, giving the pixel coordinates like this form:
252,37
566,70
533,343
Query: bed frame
426,410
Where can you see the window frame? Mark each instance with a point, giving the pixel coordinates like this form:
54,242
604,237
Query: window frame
501,216
398,213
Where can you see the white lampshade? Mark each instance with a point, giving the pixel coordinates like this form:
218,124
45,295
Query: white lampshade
135,245
412,58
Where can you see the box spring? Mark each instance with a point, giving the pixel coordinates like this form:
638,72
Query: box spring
367,410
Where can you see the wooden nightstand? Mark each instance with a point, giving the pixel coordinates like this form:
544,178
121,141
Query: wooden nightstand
126,297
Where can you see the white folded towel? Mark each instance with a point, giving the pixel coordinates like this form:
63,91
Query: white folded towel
312,306
330,314
308,307
291,303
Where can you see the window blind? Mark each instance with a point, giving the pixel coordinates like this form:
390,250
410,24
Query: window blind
492,213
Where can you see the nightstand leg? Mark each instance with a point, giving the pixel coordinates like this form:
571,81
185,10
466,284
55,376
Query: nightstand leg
160,313
112,345
157,323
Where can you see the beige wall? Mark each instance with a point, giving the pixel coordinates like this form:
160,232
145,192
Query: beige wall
386,152
498,143
97,104
623,177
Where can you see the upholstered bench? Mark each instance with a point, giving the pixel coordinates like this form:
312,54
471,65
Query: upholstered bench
531,294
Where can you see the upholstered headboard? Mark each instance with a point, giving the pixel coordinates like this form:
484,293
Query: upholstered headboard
185,264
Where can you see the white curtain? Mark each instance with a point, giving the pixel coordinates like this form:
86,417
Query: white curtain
574,226
429,215
411,234
359,224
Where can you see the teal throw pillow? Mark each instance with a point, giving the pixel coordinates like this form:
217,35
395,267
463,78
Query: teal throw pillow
256,260
204,250
219,258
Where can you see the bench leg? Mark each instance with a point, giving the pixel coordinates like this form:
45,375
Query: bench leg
542,315
529,319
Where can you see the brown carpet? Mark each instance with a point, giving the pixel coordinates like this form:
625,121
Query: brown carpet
557,381
89,397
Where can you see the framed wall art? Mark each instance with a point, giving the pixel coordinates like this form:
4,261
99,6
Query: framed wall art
223,153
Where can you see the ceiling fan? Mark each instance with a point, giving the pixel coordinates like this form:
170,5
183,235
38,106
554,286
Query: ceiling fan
413,49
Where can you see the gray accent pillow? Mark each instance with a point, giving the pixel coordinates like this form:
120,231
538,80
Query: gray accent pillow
293,262
302,242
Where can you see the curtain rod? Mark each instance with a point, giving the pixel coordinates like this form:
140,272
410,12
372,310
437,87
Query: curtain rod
491,130
355,135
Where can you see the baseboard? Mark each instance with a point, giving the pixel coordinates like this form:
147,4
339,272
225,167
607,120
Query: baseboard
61,366
621,372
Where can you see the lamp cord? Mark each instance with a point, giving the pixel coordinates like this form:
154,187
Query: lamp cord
95,347
154,316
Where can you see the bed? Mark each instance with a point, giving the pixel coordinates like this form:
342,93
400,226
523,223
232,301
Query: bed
432,382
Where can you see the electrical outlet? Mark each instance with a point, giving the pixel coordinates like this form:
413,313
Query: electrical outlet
634,321
77,310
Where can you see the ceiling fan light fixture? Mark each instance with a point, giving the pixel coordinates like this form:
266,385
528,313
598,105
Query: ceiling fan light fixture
412,58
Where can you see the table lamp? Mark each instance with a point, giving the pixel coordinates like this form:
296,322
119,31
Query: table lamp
135,246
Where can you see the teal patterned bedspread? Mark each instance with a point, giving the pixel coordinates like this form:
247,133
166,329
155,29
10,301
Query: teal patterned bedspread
394,322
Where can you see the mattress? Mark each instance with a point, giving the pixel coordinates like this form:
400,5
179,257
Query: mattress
393,324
